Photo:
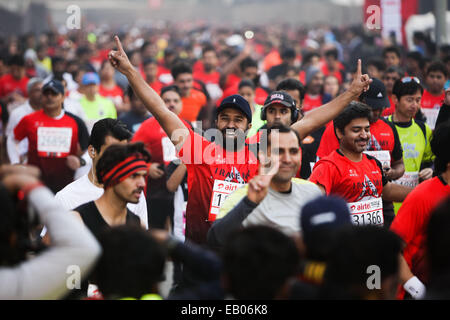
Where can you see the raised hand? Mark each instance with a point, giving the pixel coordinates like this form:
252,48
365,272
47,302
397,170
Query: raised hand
119,59
360,82
259,185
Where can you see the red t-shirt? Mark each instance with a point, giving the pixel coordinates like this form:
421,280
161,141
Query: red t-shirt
207,161
353,181
384,136
8,85
430,101
207,78
50,142
114,92
192,105
391,109
412,219
310,103
157,86
161,149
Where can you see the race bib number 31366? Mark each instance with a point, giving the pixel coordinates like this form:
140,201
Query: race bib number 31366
368,212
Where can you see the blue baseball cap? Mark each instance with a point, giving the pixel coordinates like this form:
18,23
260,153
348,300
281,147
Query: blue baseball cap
55,85
324,213
237,102
90,78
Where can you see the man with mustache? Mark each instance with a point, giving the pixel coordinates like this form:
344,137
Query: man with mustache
210,164
122,170
351,174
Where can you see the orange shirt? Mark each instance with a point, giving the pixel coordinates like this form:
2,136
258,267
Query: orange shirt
192,105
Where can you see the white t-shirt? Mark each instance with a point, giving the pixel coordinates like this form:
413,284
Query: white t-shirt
83,190
16,151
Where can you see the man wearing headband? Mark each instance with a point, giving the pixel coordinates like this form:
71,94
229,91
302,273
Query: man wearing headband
122,170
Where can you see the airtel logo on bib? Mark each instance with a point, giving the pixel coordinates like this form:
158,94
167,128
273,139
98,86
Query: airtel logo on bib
362,206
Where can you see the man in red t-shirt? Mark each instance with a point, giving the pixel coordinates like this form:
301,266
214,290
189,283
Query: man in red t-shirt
412,219
391,75
193,100
433,97
207,72
228,161
151,74
314,87
52,137
384,143
13,85
351,174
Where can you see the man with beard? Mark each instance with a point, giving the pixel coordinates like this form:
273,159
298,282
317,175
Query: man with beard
228,161
351,174
272,198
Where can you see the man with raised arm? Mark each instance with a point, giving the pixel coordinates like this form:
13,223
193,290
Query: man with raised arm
217,168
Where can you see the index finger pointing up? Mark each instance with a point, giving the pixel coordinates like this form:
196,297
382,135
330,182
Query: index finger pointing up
358,68
118,44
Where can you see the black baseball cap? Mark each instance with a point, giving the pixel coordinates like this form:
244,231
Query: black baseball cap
376,96
237,102
280,97
54,85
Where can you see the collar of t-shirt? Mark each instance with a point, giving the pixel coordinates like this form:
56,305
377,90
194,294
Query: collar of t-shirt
58,117
441,178
402,124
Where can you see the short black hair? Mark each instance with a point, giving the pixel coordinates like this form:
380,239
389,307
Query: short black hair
331,53
416,56
377,63
248,63
392,49
207,48
401,89
247,83
16,60
288,53
148,61
116,153
170,88
437,66
395,69
354,110
131,264
108,127
180,68
439,146
346,274
292,84
258,261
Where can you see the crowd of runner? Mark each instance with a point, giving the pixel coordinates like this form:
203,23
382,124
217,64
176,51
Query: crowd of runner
266,163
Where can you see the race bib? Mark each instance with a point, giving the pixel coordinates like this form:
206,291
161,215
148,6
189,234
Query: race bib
381,155
431,115
368,212
221,191
169,151
409,179
54,142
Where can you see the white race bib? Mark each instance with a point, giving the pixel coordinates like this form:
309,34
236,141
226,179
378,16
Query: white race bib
431,115
368,212
409,179
221,191
381,155
54,140
169,151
